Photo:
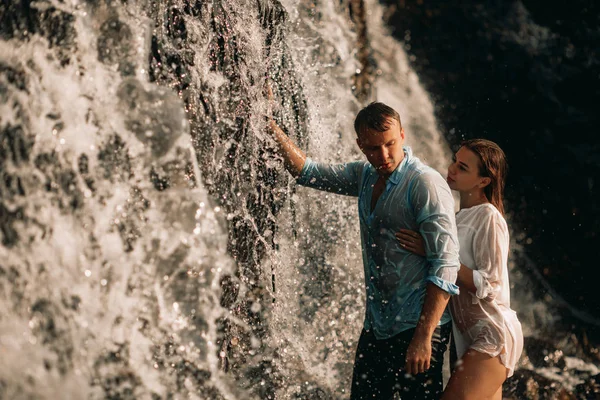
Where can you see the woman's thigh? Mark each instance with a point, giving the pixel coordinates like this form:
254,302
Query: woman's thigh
476,376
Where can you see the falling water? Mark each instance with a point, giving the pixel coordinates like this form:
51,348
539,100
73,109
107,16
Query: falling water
152,244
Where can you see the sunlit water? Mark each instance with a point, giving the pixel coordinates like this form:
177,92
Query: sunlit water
152,245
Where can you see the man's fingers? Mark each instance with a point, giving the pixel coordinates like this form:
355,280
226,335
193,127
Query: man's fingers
417,368
414,367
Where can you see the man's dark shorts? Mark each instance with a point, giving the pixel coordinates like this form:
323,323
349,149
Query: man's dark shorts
379,367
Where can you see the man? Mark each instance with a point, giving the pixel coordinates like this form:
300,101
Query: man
406,328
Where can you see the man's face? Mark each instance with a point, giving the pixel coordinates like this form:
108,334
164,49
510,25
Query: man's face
383,149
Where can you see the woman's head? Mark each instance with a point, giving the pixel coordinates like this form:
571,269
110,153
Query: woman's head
479,165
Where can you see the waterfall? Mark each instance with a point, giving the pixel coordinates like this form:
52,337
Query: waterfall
152,244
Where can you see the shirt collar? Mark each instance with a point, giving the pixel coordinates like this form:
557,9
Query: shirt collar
395,176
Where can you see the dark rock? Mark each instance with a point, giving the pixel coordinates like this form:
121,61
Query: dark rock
114,159
160,182
175,25
155,116
527,384
525,75
178,172
15,77
114,375
115,45
10,237
50,326
60,179
130,221
309,392
15,145
21,19
543,353
590,389
83,164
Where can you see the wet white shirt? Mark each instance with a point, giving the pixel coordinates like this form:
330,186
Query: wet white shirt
484,321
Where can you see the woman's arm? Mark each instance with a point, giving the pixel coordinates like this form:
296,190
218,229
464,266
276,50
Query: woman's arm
413,242
464,280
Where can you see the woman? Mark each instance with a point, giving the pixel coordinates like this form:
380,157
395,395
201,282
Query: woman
487,333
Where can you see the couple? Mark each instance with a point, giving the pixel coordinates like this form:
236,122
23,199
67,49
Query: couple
410,249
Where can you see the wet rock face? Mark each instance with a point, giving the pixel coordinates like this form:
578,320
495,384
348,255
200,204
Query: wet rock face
547,370
527,384
99,185
22,18
236,165
115,45
590,389
523,74
233,162
543,353
155,116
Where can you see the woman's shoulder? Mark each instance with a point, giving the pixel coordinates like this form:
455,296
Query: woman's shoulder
482,213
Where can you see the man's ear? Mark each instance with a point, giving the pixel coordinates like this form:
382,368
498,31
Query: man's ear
484,182
402,133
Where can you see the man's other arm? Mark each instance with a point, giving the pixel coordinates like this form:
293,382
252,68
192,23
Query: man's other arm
434,209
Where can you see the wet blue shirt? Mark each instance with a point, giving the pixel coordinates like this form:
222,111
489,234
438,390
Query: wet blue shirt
416,197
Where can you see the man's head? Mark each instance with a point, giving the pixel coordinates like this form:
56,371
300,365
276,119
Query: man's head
380,137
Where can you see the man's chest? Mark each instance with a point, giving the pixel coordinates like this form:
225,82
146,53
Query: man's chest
378,189
385,207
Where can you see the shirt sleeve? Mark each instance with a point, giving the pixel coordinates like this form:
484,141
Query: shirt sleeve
490,250
433,205
335,178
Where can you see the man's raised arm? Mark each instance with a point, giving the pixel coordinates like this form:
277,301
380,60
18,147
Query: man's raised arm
293,157
335,178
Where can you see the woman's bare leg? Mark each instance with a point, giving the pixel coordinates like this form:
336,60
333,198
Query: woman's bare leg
476,376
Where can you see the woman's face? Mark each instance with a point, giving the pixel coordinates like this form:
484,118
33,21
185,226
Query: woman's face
463,173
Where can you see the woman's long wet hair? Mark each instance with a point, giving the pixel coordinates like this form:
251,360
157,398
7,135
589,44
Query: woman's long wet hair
492,165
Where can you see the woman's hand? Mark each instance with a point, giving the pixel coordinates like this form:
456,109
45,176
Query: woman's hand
411,241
